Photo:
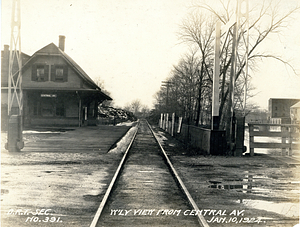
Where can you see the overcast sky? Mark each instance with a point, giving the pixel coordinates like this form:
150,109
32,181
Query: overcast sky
131,45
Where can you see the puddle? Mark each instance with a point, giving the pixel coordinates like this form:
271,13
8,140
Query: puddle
201,165
231,166
221,186
245,185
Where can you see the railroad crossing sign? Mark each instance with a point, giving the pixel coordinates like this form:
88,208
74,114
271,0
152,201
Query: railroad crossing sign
15,94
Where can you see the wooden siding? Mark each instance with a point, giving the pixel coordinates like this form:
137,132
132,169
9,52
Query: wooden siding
73,80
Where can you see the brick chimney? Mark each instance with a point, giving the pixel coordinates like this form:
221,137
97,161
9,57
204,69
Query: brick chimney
61,43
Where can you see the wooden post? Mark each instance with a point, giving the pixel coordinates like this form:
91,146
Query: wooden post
161,120
290,151
179,125
216,92
283,140
167,122
173,124
251,139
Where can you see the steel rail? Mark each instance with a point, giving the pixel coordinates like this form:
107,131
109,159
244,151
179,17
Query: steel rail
200,217
108,191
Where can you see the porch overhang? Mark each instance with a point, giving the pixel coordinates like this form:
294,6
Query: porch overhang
83,93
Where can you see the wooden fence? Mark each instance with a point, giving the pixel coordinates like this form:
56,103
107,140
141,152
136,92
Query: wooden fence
204,140
287,135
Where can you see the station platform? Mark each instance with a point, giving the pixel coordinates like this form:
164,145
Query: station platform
61,170
64,172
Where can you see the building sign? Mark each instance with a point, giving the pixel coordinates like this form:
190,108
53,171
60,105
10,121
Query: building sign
48,95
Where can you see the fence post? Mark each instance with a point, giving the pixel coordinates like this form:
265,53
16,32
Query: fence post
167,122
173,122
179,125
161,120
290,151
251,139
283,140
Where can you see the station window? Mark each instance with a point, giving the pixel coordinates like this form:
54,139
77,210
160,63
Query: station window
59,73
40,73
49,107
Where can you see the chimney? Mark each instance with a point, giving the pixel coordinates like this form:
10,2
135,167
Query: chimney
6,49
61,43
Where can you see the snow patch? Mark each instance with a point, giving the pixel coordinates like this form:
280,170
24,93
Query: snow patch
39,132
126,123
124,142
160,137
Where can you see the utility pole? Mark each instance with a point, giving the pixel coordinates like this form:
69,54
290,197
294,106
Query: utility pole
167,84
245,16
229,128
15,94
235,128
216,79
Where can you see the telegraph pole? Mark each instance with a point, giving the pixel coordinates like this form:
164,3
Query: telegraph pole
216,79
235,128
167,84
15,94
229,128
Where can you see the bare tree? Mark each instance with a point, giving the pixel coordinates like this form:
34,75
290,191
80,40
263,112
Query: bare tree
186,89
264,19
100,84
134,107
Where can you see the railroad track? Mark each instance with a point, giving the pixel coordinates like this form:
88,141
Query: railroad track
146,189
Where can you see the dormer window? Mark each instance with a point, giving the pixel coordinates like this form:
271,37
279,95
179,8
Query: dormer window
59,73
40,73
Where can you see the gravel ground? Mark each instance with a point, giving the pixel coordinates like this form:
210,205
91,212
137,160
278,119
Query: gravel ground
65,187
47,184
264,189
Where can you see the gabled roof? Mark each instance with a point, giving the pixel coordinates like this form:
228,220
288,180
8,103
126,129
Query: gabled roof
297,105
52,49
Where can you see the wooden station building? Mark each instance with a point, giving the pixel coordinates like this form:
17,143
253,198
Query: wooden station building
56,90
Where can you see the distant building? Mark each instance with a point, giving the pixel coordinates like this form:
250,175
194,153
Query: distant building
56,90
257,116
295,113
279,110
